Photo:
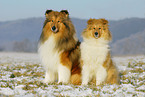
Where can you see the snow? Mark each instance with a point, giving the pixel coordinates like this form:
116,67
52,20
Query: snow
29,73
141,87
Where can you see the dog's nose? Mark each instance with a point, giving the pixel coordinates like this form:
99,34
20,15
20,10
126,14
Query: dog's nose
96,34
53,28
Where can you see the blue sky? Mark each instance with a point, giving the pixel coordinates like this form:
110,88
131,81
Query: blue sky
84,9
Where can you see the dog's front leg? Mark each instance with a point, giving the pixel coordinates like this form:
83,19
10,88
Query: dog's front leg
49,77
63,74
101,75
85,75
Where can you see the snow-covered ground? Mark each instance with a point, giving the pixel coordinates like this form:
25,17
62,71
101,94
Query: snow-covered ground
21,75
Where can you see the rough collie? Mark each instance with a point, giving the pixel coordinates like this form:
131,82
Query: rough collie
95,54
59,48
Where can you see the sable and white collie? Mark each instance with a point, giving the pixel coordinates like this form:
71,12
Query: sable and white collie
96,60
59,48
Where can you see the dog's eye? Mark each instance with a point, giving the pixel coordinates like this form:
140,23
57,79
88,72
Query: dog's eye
93,28
99,28
58,21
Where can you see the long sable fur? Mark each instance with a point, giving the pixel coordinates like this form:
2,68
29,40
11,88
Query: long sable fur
68,45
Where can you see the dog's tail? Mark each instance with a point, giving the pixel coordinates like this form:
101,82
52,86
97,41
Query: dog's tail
76,75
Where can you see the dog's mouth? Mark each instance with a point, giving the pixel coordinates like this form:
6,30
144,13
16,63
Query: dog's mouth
54,29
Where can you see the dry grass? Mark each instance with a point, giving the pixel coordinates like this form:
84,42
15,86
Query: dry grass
26,77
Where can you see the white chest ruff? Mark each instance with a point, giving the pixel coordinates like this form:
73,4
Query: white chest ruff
49,58
93,56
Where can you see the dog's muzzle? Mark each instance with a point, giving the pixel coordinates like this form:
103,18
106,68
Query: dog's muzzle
96,34
54,29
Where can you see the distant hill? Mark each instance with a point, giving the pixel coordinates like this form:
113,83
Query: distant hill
124,28
21,29
23,35
134,44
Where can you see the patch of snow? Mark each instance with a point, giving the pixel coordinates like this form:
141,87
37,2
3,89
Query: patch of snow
7,91
8,62
141,88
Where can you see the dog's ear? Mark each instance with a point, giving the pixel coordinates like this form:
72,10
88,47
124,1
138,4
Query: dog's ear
47,12
104,21
90,21
65,12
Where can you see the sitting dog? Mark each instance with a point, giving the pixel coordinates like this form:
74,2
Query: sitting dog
59,48
96,60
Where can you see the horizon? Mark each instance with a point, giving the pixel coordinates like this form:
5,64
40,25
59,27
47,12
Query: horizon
71,18
110,10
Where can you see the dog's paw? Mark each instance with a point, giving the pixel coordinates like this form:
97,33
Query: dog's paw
98,83
63,82
84,83
44,81
60,83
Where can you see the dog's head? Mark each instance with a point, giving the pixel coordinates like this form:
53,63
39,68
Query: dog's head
56,21
97,28
57,24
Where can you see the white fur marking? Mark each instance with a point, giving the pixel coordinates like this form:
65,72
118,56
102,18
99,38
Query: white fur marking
93,54
101,75
49,77
49,58
85,75
64,74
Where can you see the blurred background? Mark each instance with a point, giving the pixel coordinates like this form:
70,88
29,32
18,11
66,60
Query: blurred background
21,22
